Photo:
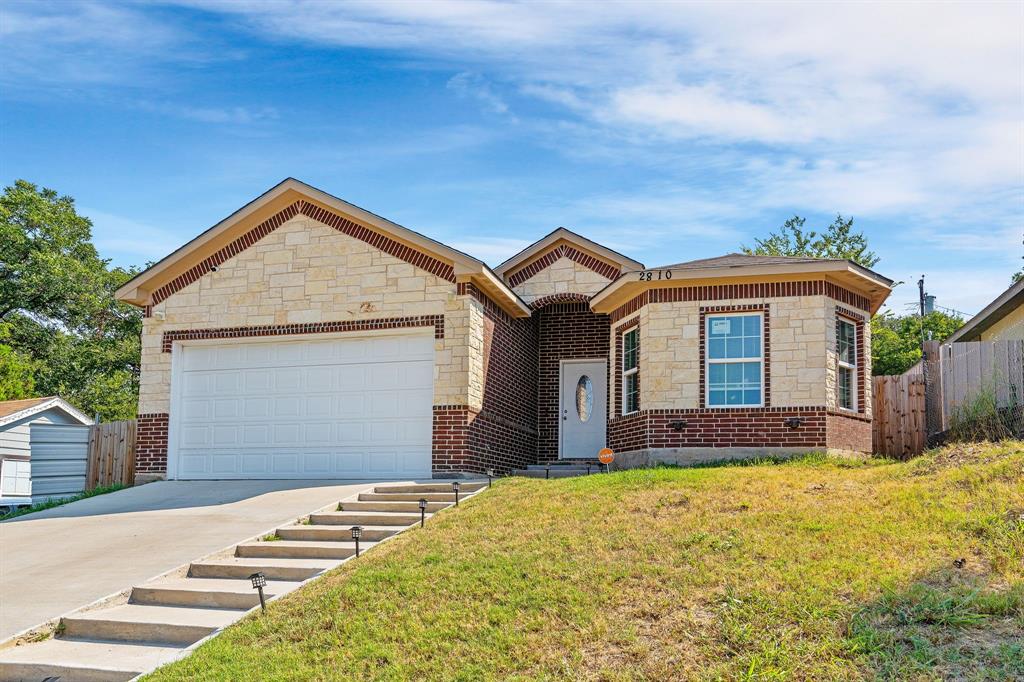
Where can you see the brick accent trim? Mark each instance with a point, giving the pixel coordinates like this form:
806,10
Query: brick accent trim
719,292
490,307
564,297
722,428
435,321
586,260
766,351
151,443
330,218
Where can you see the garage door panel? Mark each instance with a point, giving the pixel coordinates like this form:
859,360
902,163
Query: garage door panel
341,407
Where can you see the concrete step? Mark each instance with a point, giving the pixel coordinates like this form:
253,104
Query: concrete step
272,568
566,464
140,623
206,592
407,497
334,533
394,506
82,661
359,518
464,487
302,549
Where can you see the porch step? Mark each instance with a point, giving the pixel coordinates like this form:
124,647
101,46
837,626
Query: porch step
335,532
464,487
407,497
220,593
272,568
301,549
394,506
82,661
567,464
140,623
359,518
560,472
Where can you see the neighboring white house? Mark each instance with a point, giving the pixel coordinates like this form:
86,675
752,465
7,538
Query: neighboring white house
23,438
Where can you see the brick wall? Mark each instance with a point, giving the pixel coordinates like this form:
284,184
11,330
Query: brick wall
719,428
151,444
568,331
849,432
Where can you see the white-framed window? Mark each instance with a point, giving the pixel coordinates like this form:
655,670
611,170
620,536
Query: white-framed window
734,360
631,371
15,477
846,355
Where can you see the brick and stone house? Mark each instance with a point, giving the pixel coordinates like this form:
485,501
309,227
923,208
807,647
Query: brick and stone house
304,337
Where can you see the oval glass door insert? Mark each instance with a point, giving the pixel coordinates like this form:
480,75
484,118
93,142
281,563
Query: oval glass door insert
584,398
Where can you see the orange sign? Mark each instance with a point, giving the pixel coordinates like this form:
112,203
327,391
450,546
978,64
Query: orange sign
606,456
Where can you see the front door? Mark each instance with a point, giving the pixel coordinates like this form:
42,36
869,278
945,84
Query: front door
583,408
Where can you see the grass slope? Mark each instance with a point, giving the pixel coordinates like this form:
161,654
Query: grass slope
816,569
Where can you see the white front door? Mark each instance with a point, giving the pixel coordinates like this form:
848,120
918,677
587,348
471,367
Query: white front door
311,407
583,409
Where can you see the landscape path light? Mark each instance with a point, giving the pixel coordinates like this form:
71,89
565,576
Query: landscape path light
490,475
259,581
455,488
357,532
423,511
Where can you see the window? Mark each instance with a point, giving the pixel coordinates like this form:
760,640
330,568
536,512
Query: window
734,360
631,371
846,352
584,398
15,477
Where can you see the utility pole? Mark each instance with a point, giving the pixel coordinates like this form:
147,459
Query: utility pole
920,303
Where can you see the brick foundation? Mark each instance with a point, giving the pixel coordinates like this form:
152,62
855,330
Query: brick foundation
151,444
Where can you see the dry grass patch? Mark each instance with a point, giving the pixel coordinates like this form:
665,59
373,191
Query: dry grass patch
816,569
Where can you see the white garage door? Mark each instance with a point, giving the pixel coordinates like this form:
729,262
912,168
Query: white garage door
311,408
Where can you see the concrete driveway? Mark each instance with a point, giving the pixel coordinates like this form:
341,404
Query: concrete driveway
57,560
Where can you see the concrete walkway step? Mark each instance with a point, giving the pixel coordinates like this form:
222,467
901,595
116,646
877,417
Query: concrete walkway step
141,623
220,593
566,464
302,549
334,533
464,487
273,569
555,473
82,661
407,497
394,506
350,518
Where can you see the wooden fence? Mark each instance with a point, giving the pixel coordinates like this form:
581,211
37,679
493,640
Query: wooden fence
111,454
898,428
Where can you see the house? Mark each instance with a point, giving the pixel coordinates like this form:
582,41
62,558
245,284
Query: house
28,468
1000,320
304,337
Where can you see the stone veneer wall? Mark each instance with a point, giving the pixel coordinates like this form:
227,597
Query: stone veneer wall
562,276
801,380
306,276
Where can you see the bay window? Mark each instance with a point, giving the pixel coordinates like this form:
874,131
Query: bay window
846,352
631,371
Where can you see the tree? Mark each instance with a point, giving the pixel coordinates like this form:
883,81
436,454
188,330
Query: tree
837,241
17,371
896,339
58,308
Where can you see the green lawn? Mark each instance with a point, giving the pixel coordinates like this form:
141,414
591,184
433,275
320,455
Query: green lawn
59,502
820,569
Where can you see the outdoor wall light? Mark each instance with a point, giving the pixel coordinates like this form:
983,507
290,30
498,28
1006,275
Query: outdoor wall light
259,581
357,532
423,511
794,422
455,489
678,425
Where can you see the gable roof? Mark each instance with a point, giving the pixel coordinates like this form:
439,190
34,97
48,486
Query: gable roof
13,410
552,239
1003,305
285,200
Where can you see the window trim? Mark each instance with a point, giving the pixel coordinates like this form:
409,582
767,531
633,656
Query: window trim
708,361
854,367
633,371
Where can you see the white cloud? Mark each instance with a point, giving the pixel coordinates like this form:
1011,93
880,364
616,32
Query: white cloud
470,85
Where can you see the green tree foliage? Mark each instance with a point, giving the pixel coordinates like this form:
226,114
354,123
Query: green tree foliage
17,370
896,339
837,241
57,304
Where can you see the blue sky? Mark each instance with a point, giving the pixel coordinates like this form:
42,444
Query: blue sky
666,131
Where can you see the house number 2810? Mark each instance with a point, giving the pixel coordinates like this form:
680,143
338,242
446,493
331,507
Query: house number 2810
652,275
